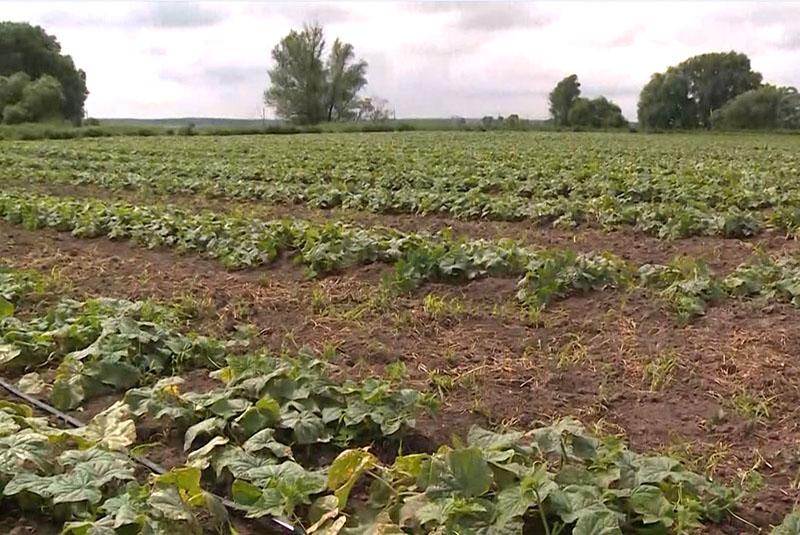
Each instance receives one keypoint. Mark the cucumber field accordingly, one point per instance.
(418, 332)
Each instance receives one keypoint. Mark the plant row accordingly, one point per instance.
(666, 187)
(239, 241)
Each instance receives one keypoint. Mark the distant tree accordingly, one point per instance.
(307, 90)
(12, 87)
(764, 108)
(24, 100)
(15, 114)
(664, 102)
(789, 109)
(29, 49)
(716, 78)
(373, 109)
(297, 89)
(596, 113)
(686, 95)
(346, 78)
(562, 97)
(43, 98)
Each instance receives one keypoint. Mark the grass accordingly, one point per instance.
(442, 308)
(754, 406)
(659, 372)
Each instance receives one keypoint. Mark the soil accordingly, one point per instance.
(587, 356)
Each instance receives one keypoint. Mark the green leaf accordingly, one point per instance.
(471, 473)
(597, 521)
(75, 486)
(571, 501)
(649, 501)
(245, 493)
(306, 426)
(346, 469)
(168, 502)
(265, 413)
(30, 482)
(264, 440)
(655, 469)
(6, 308)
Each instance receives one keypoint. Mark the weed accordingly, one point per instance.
(397, 371)
(658, 373)
(571, 353)
(440, 308)
(753, 406)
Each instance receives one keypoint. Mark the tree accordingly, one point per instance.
(29, 49)
(307, 90)
(716, 78)
(11, 88)
(43, 98)
(298, 78)
(767, 107)
(754, 109)
(789, 109)
(596, 113)
(373, 109)
(686, 95)
(347, 77)
(24, 100)
(664, 102)
(562, 97)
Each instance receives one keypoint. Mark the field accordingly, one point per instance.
(409, 332)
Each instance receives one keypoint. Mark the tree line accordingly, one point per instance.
(310, 83)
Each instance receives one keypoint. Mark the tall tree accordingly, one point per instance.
(29, 49)
(307, 90)
(664, 102)
(298, 81)
(346, 78)
(562, 97)
(686, 95)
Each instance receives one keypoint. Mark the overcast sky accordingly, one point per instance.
(429, 59)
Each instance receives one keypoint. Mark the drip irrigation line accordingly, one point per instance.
(276, 523)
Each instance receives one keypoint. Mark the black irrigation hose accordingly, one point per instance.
(281, 526)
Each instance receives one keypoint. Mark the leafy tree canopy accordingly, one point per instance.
(596, 113)
(306, 89)
(29, 49)
(26, 100)
(767, 107)
(687, 94)
(562, 97)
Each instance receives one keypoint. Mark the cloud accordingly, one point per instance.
(790, 40)
(176, 15)
(499, 16)
(494, 16)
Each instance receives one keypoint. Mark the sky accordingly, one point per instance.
(428, 59)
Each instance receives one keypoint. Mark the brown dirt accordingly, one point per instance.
(587, 356)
